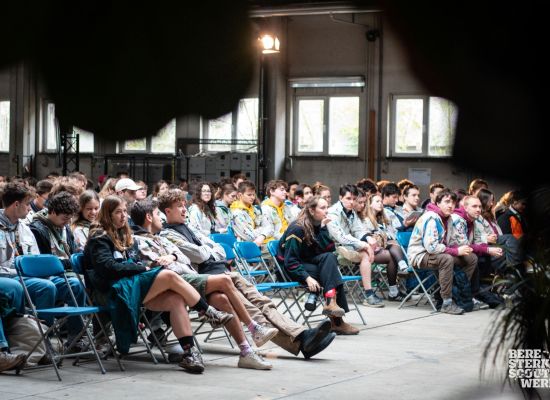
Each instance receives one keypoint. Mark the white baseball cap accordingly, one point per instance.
(126, 184)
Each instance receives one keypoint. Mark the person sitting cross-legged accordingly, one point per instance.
(209, 258)
(125, 285)
(217, 289)
(307, 252)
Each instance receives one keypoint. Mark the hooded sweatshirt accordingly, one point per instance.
(463, 231)
(247, 222)
(430, 236)
(15, 239)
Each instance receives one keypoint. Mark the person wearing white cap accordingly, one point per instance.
(126, 188)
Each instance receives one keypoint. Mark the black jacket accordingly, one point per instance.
(42, 235)
(293, 251)
(104, 264)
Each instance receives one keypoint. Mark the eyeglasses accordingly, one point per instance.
(206, 191)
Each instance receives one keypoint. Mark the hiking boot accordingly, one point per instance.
(350, 255)
(217, 318)
(192, 361)
(10, 361)
(451, 308)
(398, 297)
(253, 361)
(340, 327)
(373, 301)
(331, 309)
(263, 334)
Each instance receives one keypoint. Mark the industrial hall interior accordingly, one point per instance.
(315, 197)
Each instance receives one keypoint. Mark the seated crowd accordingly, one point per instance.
(156, 252)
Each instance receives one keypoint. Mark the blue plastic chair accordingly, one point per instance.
(250, 261)
(78, 268)
(44, 266)
(229, 253)
(404, 238)
(226, 238)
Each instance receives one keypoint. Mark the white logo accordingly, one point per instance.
(530, 366)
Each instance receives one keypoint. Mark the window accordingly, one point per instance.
(421, 126)
(86, 140)
(240, 124)
(163, 142)
(50, 132)
(326, 115)
(327, 125)
(4, 126)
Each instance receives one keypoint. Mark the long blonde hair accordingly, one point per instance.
(378, 218)
(122, 238)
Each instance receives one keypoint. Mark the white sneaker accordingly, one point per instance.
(263, 334)
(253, 361)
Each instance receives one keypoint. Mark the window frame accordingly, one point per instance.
(120, 145)
(392, 121)
(234, 127)
(338, 92)
(9, 138)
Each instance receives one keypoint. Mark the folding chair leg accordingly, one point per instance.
(111, 347)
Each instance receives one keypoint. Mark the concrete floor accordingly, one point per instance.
(400, 354)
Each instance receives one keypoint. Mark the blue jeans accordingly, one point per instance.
(46, 293)
(13, 291)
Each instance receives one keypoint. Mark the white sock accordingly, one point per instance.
(402, 265)
(393, 290)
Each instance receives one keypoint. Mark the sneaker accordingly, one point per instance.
(398, 297)
(403, 272)
(263, 334)
(10, 361)
(253, 361)
(350, 255)
(451, 308)
(373, 301)
(217, 318)
(81, 346)
(192, 361)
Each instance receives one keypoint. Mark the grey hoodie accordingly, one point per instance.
(10, 247)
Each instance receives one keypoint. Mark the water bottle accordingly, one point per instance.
(311, 302)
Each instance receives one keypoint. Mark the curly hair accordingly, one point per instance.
(206, 207)
(170, 197)
(63, 203)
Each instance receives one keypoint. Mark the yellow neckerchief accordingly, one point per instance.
(280, 213)
(239, 205)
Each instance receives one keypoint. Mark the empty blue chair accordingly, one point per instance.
(249, 258)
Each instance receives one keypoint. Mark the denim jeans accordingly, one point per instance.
(13, 292)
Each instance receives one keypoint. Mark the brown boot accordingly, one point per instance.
(332, 309)
(340, 327)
